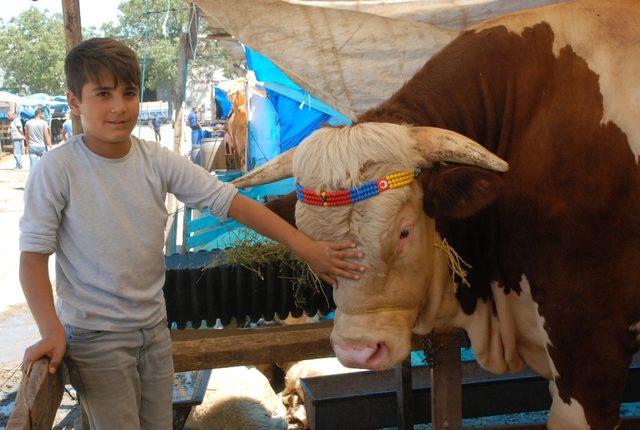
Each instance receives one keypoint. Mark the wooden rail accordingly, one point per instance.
(207, 349)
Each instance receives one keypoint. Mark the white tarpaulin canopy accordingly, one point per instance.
(14, 99)
(352, 55)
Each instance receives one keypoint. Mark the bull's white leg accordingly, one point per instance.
(565, 416)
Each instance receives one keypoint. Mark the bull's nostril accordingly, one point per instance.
(379, 358)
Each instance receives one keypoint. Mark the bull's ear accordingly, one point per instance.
(285, 207)
(456, 191)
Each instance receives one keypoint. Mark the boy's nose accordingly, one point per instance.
(117, 108)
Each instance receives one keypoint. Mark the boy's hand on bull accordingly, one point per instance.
(329, 260)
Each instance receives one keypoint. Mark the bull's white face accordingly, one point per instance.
(375, 315)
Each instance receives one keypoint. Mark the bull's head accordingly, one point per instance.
(407, 286)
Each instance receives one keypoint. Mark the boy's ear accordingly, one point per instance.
(456, 191)
(73, 102)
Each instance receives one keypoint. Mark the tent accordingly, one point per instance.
(223, 105)
(351, 55)
(281, 113)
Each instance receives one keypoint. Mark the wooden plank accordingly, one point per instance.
(404, 394)
(38, 398)
(446, 377)
(195, 349)
(208, 349)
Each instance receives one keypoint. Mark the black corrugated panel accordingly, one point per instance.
(199, 294)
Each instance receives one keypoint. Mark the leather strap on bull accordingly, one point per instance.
(356, 194)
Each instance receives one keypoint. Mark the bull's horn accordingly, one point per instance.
(274, 170)
(438, 144)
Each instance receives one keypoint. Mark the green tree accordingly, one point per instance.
(154, 27)
(34, 47)
(34, 51)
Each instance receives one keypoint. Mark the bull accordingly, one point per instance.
(552, 239)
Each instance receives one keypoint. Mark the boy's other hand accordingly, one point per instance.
(52, 345)
(327, 259)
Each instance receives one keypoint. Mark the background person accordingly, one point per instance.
(17, 137)
(156, 124)
(67, 129)
(196, 133)
(38, 137)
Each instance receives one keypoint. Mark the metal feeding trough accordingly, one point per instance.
(197, 293)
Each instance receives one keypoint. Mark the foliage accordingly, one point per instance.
(209, 56)
(149, 20)
(34, 46)
(34, 52)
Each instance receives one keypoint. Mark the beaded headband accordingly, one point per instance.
(356, 194)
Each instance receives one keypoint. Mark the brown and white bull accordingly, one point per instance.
(553, 244)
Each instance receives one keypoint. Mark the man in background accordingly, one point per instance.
(156, 124)
(193, 122)
(17, 137)
(38, 137)
(67, 129)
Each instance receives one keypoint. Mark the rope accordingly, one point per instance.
(192, 16)
(13, 372)
(166, 18)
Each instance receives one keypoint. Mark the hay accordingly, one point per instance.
(456, 264)
(253, 252)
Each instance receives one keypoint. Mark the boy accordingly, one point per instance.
(98, 202)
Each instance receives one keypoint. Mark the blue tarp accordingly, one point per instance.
(223, 102)
(287, 116)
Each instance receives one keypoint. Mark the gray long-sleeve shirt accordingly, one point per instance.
(105, 221)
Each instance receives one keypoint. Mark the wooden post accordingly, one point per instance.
(404, 394)
(446, 381)
(72, 36)
(38, 398)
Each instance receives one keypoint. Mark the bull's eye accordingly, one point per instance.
(404, 233)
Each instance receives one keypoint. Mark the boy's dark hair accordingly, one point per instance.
(92, 59)
(39, 111)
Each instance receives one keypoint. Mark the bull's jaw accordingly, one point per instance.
(440, 306)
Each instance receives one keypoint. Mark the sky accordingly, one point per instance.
(93, 12)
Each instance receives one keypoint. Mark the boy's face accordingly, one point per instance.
(108, 112)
